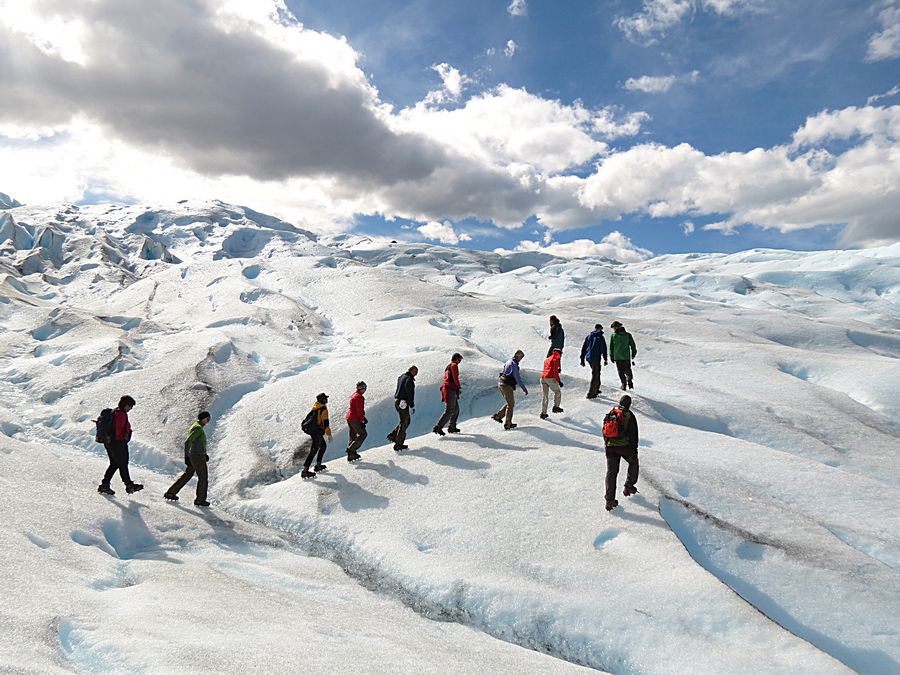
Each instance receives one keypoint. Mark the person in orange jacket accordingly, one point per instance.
(550, 381)
(451, 390)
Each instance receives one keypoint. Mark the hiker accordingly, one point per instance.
(620, 436)
(509, 379)
(451, 390)
(116, 444)
(557, 336)
(550, 381)
(316, 425)
(592, 350)
(356, 422)
(404, 403)
(622, 351)
(195, 459)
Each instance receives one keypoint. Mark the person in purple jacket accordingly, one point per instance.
(509, 380)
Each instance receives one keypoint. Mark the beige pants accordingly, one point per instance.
(507, 410)
(548, 384)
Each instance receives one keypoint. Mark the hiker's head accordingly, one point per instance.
(361, 386)
(322, 398)
(615, 324)
(126, 403)
(553, 320)
(413, 371)
(598, 326)
(456, 358)
(519, 355)
(204, 418)
(625, 401)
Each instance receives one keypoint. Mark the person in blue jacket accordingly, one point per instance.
(509, 380)
(592, 350)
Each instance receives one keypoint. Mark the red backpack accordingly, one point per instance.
(614, 423)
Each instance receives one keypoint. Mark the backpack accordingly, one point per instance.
(104, 426)
(309, 425)
(614, 423)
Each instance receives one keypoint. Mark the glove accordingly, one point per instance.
(633, 363)
(605, 362)
(582, 363)
(207, 457)
(365, 421)
(413, 410)
(561, 383)
(403, 405)
(525, 391)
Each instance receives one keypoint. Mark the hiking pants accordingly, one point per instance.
(195, 464)
(318, 446)
(509, 396)
(624, 368)
(398, 435)
(117, 451)
(451, 410)
(358, 434)
(613, 456)
(549, 384)
(594, 388)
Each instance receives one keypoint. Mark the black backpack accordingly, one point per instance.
(309, 425)
(104, 424)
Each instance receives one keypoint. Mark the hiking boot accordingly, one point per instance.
(630, 384)
(497, 418)
(198, 502)
(353, 456)
(320, 467)
(104, 489)
(589, 396)
(629, 490)
(611, 504)
(170, 497)
(306, 473)
(453, 430)
(557, 409)
(398, 448)
(134, 487)
(510, 426)
(439, 432)
(544, 416)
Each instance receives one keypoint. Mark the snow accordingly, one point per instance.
(765, 535)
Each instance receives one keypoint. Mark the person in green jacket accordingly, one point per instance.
(622, 351)
(195, 458)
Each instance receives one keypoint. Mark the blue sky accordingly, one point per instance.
(626, 127)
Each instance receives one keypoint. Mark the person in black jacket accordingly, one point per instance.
(625, 446)
(404, 403)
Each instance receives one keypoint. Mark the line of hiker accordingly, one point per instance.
(619, 430)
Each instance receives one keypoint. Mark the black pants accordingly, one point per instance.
(117, 451)
(451, 410)
(318, 446)
(594, 389)
(614, 456)
(358, 434)
(398, 435)
(625, 375)
(195, 464)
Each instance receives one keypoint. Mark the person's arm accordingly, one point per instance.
(584, 346)
(603, 351)
(518, 377)
(634, 431)
(455, 371)
(120, 426)
(633, 346)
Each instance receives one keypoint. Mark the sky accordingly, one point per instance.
(625, 128)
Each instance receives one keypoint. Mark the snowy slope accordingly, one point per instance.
(765, 386)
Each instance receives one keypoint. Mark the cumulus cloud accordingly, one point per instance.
(510, 49)
(453, 81)
(687, 227)
(615, 246)
(518, 8)
(649, 84)
(657, 16)
(443, 232)
(886, 43)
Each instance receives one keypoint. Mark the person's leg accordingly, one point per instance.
(622, 367)
(402, 427)
(628, 374)
(312, 452)
(612, 472)
(453, 397)
(447, 411)
(500, 414)
(510, 397)
(594, 389)
(113, 464)
(557, 393)
(122, 458)
(199, 464)
(545, 394)
(357, 435)
(322, 446)
(183, 479)
(633, 468)
(393, 435)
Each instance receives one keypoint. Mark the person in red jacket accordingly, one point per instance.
(550, 381)
(451, 390)
(356, 422)
(117, 450)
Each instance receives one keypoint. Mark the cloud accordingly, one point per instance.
(687, 227)
(442, 232)
(453, 81)
(657, 16)
(510, 49)
(518, 8)
(886, 43)
(890, 93)
(615, 246)
(649, 84)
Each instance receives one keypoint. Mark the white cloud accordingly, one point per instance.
(443, 232)
(649, 84)
(606, 125)
(510, 49)
(687, 227)
(518, 8)
(453, 81)
(886, 43)
(615, 246)
(657, 16)
(890, 93)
